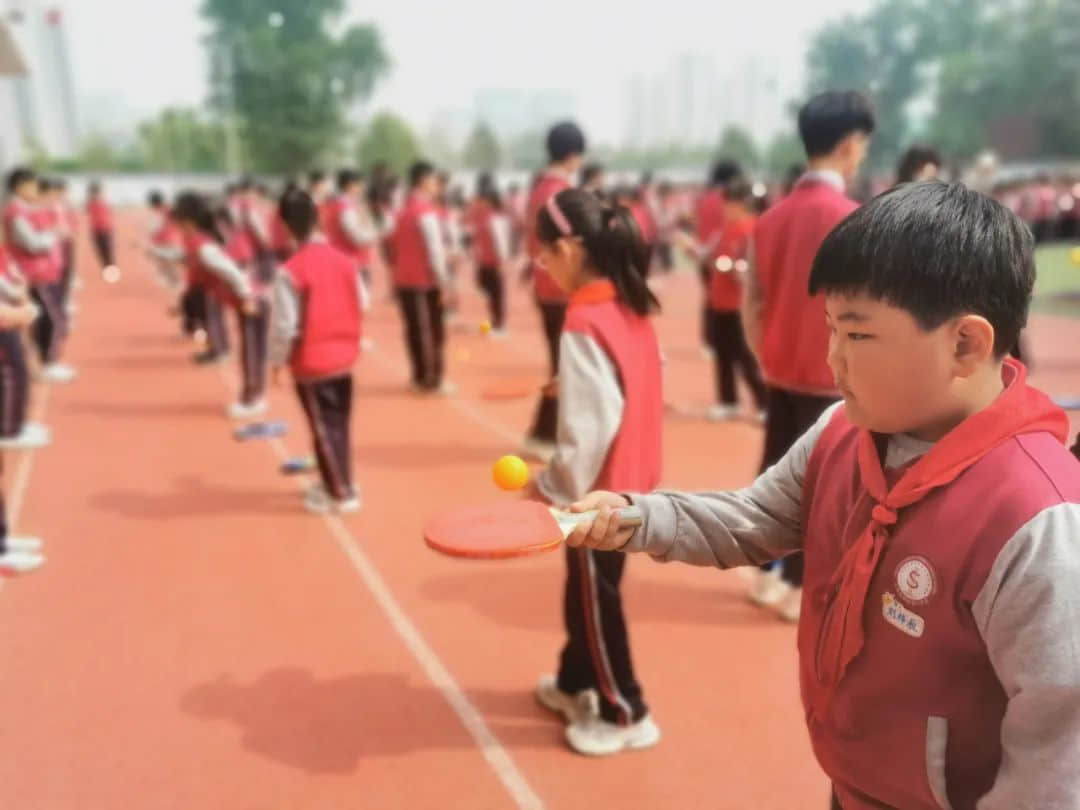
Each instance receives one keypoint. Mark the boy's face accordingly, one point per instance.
(895, 376)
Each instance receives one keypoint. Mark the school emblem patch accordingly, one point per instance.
(916, 580)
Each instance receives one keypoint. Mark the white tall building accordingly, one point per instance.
(45, 96)
(12, 71)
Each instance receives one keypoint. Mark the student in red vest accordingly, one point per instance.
(490, 228)
(319, 299)
(35, 249)
(51, 217)
(727, 258)
(709, 227)
(349, 226)
(422, 280)
(68, 218)
(251, 219)
(565, 148)
(229, 285)
(101, 225)
(594, 179)
(609, 435)
(784, 327)
(633, 200)
(164, 244)
(938, 510)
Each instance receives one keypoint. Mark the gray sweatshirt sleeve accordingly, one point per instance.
(218, 262)
(284, 319)
(359, 233)
(1027, 613)
(30, 238)
(432, 231)
(166, 253)
(590, 412)
(749, 526)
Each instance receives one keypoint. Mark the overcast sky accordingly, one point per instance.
(134, 56)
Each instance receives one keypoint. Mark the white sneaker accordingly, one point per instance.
(240, 411)
(538, 449)
(574, 708)
(498, 334)
(317, 500)
(14, 561)
(707, 352)
(38, 429)
(447, 388)
(721, 413)
(26, 439)
(790, 606)
(57, 373)
(71, 309)
(349, 505)
(761, 416)
(597, 737)
(769, 589)
(23, 543)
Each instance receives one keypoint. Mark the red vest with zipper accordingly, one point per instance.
(544, 285)
(335, 234)
(38, 268)
(412, 267)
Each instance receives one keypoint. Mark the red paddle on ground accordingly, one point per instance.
(508, 529)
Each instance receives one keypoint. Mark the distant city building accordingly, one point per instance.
(516, 112)
(12, 69)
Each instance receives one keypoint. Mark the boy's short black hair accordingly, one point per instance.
(739, 189)
(156, 199)
(591, 171)
(315, 176)
(419, 172)
(723, 171)
(914, 160)
(828, 118)
(938, 251)
(565, 139)
(18, 176)
(297, 210)
(348, 177)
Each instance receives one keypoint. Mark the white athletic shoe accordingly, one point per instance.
(23, 543)
(15, 561)
(27, 439)
(349, 505)
(574, 708)
(498, 334)
(769, 589)
(707, 352)
(317, 500)
(446, 388)
(538, 449)
(240, 411)
(790, 606)
(721, 413)
(761, 416)
(57, 373)
(597, 737)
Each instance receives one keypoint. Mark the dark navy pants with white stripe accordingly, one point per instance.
(597, 651)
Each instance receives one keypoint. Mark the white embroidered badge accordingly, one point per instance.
(900, 617)
(916, 581)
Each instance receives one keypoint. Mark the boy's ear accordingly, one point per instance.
(974, 343)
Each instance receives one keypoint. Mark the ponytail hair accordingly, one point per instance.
(614, 246)
(193, 208)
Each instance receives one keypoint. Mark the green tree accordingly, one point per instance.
(389, 139)
(284, 80)
(784, 150)
(482, 151)
(181, 140)
(738, 144)
(526, 151)
(437, 147)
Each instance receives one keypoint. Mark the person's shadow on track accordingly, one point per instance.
(328, 726)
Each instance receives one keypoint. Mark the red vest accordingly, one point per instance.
(870, 731)
(725, 286)
(100, 215)
(710, 214)
(200, 275)
(281, 240)
(794, 338)
(481, 213)
(38, 268)
(330, 317)
(645, 222)
(544, 285)
(412, 267)
(50, 218)
(633, 462)
(166, 234)
(361, 254)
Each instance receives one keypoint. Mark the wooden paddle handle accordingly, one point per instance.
(629, 516)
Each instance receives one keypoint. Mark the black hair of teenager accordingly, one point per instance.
(419, 172)
(223, 215)
(348, 177)
(723, 170)
(829, 117)
(297, 210)
(938, 251)
(155, 199)
(19, 175)
(739, 189)
(488, 189)
(94, 189)
(564, 140)
(590, 172)
(613, 244)
(914, 160)
(194, 209)
(45, 185)
(245, 183)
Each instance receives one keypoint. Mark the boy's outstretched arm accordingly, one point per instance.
(1028, 612)
(724, 529)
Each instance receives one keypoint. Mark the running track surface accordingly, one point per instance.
(198, 641)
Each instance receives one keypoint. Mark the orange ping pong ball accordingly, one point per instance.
(485, 327)
(510, 473)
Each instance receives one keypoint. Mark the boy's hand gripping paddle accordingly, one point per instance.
(508, 529)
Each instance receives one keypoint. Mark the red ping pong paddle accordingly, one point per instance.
(507, 529)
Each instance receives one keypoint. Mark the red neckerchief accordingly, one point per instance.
(1018, 409)
(595, 292)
